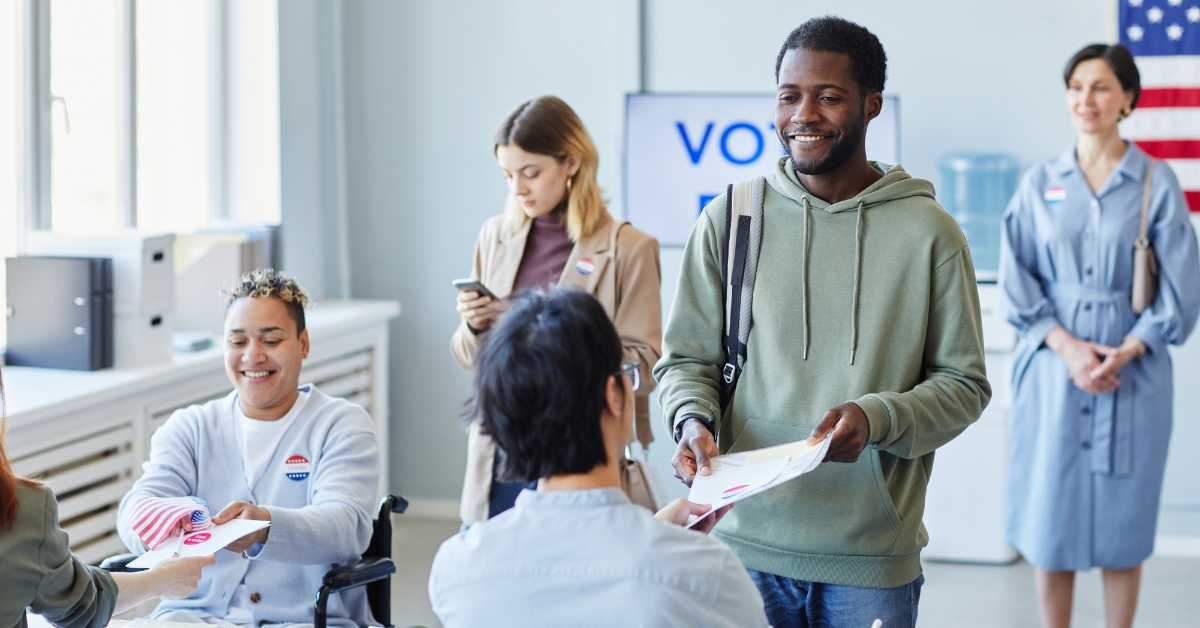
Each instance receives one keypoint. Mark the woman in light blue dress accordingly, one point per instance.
(1092, 390)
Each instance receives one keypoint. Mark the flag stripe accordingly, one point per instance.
(1169, 97)
(1176, 123)
(1170, 149)
(1193, 200)
(1187, 171)
(1169, 71)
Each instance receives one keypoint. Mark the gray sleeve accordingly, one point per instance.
(70, 593)
(343, 495)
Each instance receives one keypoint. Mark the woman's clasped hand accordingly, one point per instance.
(1093, 367)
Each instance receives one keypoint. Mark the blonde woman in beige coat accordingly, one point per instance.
(555, 230)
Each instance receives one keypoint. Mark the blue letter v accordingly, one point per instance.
(694, 153)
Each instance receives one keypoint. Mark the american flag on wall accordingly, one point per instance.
(1164, 37)
(154, 518)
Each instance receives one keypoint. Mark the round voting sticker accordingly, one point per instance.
(197, 539)
(585, 266)
(296, 468)
(732, 492)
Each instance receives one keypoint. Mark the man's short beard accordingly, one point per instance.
(843, 148)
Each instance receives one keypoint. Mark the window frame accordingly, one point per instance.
(35, 209)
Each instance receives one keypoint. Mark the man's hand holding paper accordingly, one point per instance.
(737, 476)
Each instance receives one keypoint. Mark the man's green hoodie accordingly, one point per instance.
(879, 293)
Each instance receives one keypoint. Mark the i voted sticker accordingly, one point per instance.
(197, 539)
(735, 491)
(1055, 194)
(296, 468)
(585, 266)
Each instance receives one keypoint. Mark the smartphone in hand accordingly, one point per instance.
(473, 285)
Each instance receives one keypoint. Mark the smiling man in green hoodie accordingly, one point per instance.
(866, 323)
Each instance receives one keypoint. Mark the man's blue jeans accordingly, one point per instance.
(798, 604)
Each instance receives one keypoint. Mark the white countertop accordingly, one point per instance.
(31, 392)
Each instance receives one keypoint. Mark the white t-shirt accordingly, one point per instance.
(257, 442)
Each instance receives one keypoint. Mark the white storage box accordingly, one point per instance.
(143, 288)
(206, 264)
(143, 338)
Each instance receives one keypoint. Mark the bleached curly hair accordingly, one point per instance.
(270, 283)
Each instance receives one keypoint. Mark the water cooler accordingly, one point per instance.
(964, 508)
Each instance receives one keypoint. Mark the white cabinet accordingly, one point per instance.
(964, 506)
(86, 434)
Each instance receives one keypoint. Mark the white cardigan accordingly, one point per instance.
(321, 505)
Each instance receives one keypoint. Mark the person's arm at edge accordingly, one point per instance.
(70, 593)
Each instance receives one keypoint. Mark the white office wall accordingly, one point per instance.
(310, 130)
(427, 82)
(426, 85)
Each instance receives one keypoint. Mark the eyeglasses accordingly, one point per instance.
(634, 370)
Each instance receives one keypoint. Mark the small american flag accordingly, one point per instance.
(154, 517)
(1164, 37)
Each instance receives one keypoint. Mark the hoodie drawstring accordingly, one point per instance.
(858, 229)
(804, 275)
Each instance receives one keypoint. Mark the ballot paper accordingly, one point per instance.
(737, 476)
(202, 543)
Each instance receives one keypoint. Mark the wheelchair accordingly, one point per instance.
(374, 570)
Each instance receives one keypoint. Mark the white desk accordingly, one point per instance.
(87, 433)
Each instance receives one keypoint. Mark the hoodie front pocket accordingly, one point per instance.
(881, 488)
(837, 509)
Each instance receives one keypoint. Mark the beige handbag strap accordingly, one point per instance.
(1142, 240)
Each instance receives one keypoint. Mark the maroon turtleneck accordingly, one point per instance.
(546, 251)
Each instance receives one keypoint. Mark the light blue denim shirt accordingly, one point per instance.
(589, 558)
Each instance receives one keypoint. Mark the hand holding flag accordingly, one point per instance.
(155, 519)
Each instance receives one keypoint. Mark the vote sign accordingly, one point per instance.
(682, 150)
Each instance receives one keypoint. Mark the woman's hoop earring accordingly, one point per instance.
(1126, 112)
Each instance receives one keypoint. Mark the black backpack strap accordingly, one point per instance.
(726, 389)
(732, 301)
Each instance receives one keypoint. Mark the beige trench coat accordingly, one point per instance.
(626, 280)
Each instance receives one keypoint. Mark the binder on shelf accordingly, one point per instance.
(60, 312)
(143, 273)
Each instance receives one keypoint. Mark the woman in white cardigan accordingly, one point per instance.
(271, 450)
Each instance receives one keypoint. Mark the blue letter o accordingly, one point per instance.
(725, 143)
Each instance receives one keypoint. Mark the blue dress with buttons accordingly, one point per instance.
(1085, 471)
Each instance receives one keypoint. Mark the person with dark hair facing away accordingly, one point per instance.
(42, 575)
(1092, 397)
(866, 324)
(552, 391)
(555, 231)
(271, 450)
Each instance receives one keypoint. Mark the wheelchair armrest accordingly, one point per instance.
(356, 574)
(118, 563)
(392, 504)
